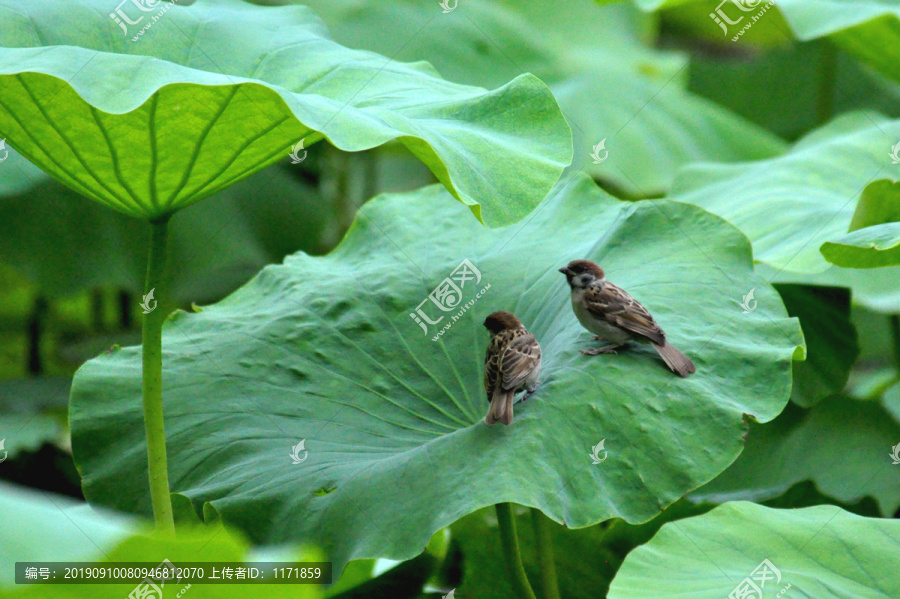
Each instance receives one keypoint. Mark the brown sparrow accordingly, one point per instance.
(614, 316)
(512, 363)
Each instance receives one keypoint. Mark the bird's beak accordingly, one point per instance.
(565, 270)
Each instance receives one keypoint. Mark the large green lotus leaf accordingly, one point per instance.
(325, 350)
(872, 247)
(44, 527)
(832, 348)
(214, 92)
(609, 84)
(842, 445)
(790, 205)
(821, 551)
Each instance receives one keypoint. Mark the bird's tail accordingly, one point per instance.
(677, 362)
(501, 409)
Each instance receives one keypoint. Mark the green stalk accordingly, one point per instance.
(827, 74)
(549, 584)
(152, 383)
(511, 551)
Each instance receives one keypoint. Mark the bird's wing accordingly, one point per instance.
(492, 365)
(614, 305)
(518, 360)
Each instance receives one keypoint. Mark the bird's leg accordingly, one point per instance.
(606, 349)
(529, 390)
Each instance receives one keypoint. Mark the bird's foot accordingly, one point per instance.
(528, 392)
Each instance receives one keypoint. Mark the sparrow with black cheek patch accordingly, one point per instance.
(512, 363)
(615, 317)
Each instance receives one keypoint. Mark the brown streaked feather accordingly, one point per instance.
(519, 359)
(677, 362)
(614, 305)
(511, 356)
(501, 409)
(491, 367)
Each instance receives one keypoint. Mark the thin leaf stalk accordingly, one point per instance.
(151, 336)
(826, 84)
(513, 556)
(546, 559)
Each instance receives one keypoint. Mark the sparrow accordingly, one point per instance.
(614, 316)
(512, 363)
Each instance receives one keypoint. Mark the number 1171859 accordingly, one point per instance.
(298, 573)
